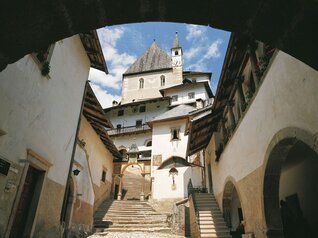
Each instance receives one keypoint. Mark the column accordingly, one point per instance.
(255, 68)
(142, 194)
(120, 187)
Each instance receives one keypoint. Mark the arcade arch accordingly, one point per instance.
(290, 184)
(232, 208)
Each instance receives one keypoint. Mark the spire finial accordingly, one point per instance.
(176, 41)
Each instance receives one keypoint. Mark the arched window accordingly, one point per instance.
(149, 143)
(176, 52)
(162, 80)
(141, 83)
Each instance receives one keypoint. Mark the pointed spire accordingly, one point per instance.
(176, 41)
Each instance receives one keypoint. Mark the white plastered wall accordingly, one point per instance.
(41, 113)
(287, 98)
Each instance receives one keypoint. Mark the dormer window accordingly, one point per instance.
(162, 80)
(141, 83)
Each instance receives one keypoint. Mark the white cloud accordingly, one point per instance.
(214, 50)
(192, 52)
(104, 98)
(195, 31)
(117, 62)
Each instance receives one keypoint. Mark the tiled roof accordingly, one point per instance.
(178, 111)
(153, 59)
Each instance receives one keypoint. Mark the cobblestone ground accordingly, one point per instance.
(135, 235)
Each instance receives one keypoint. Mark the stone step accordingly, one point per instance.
(152, 229)
(215, 236)
(213, 226)
(158, 225)
(107, 222)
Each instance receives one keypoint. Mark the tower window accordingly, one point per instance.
(120, 113)
(176, 53)
(175, 133)
(141, 83)
(162, 80)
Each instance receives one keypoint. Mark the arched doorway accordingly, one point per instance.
(290, 187)
(232, 210)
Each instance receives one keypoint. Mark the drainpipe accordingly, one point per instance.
(64, 207)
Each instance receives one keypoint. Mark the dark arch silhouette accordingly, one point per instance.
(280, 146)
(287, 25)
(174, 161)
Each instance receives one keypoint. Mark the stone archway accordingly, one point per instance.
(289, 28)
(292, 158)
(232, 206)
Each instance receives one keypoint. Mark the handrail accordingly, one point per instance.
(128, 129)
(194, 226)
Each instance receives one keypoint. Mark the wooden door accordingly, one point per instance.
(21, 215)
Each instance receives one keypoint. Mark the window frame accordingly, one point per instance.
(191, 95)
(137, 123)
(104, 175)
(174, 98)
(174, 130)
(141, 83)
(162, 81)
(120, 114)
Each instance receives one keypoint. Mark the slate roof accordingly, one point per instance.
(176, 112)
(153, 59)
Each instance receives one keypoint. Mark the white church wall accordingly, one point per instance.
(128, 140)
(287, 98)
(162, 143)
(183, 93)
(152, 84)
(129, 118)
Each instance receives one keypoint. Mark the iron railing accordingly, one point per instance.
(128, 129)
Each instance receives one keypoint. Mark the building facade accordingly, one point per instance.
(151, 124)
(261, 160)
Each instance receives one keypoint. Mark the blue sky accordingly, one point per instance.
(203, 48)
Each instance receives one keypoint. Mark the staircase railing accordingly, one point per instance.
(194, 226)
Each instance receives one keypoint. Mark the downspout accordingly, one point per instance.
(64, 207)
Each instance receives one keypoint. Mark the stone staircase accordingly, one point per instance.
(209, 217)
(129, 216)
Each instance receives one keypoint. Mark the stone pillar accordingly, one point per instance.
(142, 194)
(255, 68)
(120, 187)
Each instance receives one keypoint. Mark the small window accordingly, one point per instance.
(191, 95)
(162, 80)
(176, 53)
(149, 143)
(174, 98)
(141, 83)
(142, 108)
(120, 113)
(123, 153)
(138, 123)
(104, 175)
(175, 133)
(118, 126)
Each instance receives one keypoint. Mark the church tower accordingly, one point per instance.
(176, 55)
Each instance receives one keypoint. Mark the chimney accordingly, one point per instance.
(115, 103)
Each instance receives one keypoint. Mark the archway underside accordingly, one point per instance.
(287, 25)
